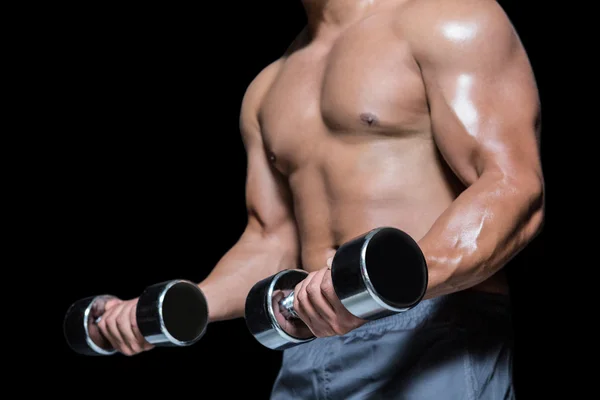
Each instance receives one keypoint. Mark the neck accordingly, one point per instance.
(334, 13)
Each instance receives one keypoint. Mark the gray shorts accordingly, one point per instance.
(453, 347)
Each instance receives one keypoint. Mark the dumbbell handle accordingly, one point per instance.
(286, 306)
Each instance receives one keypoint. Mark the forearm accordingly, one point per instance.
(252, 258)
(487, 225)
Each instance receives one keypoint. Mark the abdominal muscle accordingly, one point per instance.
(350, 189)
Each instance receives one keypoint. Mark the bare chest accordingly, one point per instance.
(364, 83)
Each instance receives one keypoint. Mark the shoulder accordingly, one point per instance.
(454, 29)
(253, 95)
(259, 86)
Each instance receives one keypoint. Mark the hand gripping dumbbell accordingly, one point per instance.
(171, 313)
(377, 274)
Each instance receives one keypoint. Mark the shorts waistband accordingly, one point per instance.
(442, 309)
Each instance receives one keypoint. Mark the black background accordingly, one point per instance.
(143, 180)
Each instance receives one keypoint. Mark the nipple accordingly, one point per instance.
(368, 119)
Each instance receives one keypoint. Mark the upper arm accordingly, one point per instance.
(481, 90)
(267, 197)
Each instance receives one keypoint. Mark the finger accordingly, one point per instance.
(101, 305)
(103, 325)
(328, 292)
(318, 300)
(306, 310)
(126, 331)
(95, 334)
(111, 303)
(97, 309)
(113, 327)
(140, 339)
(303, 282)
(300, 297)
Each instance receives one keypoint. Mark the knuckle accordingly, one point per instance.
(111, 326)
(300, 296)
(121, 320)
(112, 303)
(104, 326)
(338, 329)
(109, 319)
(135, 348)
(298, 292)
(312, 289)
(135, 341)
(320, 333)
(104, 332)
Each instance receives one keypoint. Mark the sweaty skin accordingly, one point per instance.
(418, 114)
(423, 115)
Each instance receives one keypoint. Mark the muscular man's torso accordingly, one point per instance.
(345, 119)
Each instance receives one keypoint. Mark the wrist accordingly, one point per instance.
(217, 304)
